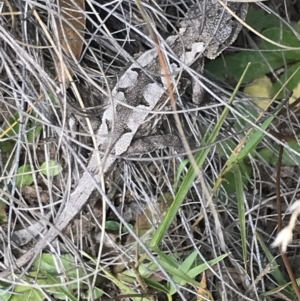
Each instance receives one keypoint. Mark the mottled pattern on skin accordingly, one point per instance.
(138, 89)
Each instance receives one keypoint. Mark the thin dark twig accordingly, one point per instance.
(279, 222)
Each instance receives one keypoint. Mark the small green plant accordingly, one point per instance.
(151, 280)
(25, 173)
(58, 277)
(33, 129)
(270, 58)
(51, 168)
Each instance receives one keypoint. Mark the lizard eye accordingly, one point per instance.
(108, 125)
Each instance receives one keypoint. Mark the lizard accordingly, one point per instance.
(140, 91)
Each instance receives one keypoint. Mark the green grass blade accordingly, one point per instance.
(156, 285)
(179, 172)
(254, 139)
(254, 136)
(241, 209)
(150, 282)
(61, 289)
(185, 267)
(204, 266)
(198, 270)
(174, 270)
(191, 174)
(188, 262)
(276, 273)
(122, 286)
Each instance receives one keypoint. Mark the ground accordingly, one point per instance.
(208, 229)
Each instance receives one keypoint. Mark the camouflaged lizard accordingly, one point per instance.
(140, 91)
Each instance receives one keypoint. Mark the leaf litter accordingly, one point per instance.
(114, 34)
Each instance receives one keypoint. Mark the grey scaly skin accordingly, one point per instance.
(143, 94)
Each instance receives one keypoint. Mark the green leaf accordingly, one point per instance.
(24, 175)
(49, 265)
(52, 264)
(241, 209)
(232, 66)
(156, 285)
(248, 113)
(52, 98)
(122, 286)
(125, 230)
(284, 37)
(204, 266)
(252, 140)
(115, 226)
(188, 262)
(288, 158)
(4, 294)
(180, 171)
(188, 180)
(185, 267)
(112, 225)
(45, 263)
(247, 146)
(150, 283)
(51, 168)
(34, 133)
(40, 279)
(64, 292)
(147, 269)
(27, 293)
(229, 181)
(97, 292)
(275, 272)
(259, 19)
(192, 273)
(176, 272)
(7, 146)
(225, 148)
(280, 288)
(169, 259)
(293, 82)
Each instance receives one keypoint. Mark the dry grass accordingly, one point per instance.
(44, 85)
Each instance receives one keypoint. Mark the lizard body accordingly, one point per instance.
(140, 91)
